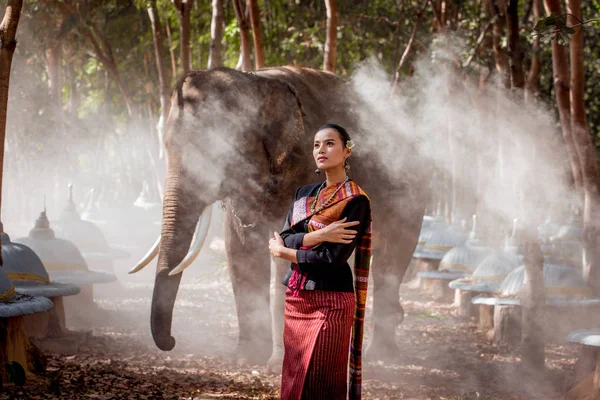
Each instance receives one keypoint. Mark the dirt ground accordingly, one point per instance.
(440, 356)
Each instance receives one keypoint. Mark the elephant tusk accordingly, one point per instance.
(147, 258)
(197, 243)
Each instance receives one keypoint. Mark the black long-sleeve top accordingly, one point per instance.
(326, 265)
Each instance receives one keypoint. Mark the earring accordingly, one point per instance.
(318, 172)
(347, 165)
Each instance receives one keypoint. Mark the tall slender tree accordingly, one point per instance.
(330, 56)
(171, 51)
(533, 76)
(184, 10)
(159, 52)
(515, 51)
(497, 13)
(259, 52)
(560, 70)
(216, 34)
(241, 15)
(163, 75)
(409, 45)
(8, 43)
(586, 151)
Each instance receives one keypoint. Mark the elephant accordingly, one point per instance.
(246, 139)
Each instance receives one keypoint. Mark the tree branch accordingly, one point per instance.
(479, 41)
(409, 45)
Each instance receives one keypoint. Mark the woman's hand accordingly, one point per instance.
(276, 245)
(339, 232)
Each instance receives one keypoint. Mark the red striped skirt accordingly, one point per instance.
(316, 340)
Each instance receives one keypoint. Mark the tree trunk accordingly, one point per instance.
(404, 57)
(587, 154)
(560, 70)
(171, 52)
(259, 52)
(496, 13)
(533, 301)
(8, 31)
(184, 9)
(216, 34)
(331, 42)
(533, 76)
(515, 52)
(159, 52)
(74, 98)
(507, 326)
(53, 67)
(240, 13)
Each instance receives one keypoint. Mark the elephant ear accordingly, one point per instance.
(282, 117)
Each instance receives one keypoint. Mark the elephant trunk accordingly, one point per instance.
(181, 210)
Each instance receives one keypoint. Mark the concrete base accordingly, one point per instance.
(486, 316)
(438, 289)
(462, 302)
(507, 326)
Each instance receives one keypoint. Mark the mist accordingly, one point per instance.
(505, 156)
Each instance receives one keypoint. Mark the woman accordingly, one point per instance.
(326, 223)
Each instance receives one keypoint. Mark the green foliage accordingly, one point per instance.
(554, 27)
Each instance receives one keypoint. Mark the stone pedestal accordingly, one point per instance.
(507, 326)
(486, 316)
(462, 301)
(15, 345)
(427, 264)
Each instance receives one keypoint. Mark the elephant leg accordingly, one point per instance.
(387, 310)
(390, 262)
(275, 362)
(249, 269)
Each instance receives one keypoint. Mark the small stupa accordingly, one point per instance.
(29, 276)
(134, 226)
(65, 263)
(459, 258)
(443, 240)
(428, 227)
(87, 236)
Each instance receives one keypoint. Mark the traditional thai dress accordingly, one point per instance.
(324, 302)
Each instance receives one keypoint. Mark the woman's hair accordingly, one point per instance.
(344, 135)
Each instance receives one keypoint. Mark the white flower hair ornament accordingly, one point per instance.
(349, 144)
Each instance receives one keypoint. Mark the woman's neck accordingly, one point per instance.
(335, 176)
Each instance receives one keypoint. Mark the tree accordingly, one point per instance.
(533, 75)
(259, 52)
(159, 52)
(533, 301)
(184, 9)
(586, 152)
(409, 45)
(242, 19)
(216, 35)
(330, 56)
(8, 43)
(515, 52)
(560, 68)
(573, 121)
(498, 16)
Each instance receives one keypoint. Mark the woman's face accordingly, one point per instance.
(328, 150)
